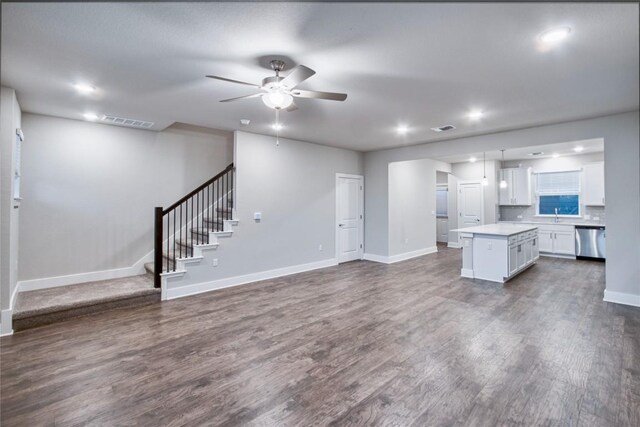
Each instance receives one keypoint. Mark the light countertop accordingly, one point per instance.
(501, 229)
(573, 223)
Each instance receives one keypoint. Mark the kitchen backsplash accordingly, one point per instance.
(528, 213)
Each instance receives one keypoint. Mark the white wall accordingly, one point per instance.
(293, 186)
(90, 189)
(377, 198)
(412, 205)
(622, 185)
(10, 120)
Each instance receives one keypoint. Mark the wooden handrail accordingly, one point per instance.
(199, 188)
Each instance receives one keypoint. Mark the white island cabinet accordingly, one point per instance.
(497, 252)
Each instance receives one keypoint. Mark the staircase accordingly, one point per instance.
(182, 232)
(200, 237)
(191, 225)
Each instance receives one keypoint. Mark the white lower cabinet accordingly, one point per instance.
(523, 251)
(564, 242)
(554, 239)
(545, 238)
(557, 239)
(513, 259)
(535, 247)
(442, 228)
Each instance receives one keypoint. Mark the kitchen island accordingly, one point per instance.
(498, 252)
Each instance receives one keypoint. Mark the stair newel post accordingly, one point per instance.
(157, 247)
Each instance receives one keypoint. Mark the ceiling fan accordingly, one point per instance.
(277, 92)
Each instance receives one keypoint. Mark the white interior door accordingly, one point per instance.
(470, 204)
(349, 217)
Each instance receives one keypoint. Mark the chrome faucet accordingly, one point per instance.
(556, 220)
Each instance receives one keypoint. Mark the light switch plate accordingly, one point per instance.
(257, 216)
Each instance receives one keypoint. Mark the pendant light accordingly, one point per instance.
(503, 183)
(485, 181)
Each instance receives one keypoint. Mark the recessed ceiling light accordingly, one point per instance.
(277, 126)
(90, 116)
(402, 129)
(245, 122)
(555, 155)
(472, 159)
(578, 149)
(475, 115)
(555, 34)
(84, 88)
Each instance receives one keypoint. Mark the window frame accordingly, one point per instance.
(566, 193)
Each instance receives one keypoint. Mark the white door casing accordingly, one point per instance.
(470, 204)
(349, 217)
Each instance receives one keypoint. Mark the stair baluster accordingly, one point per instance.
(213, 198)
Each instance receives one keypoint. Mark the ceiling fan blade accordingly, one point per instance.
(292, 107)
(297, 76)
(319, 95)
(233, 81)
(255, 95)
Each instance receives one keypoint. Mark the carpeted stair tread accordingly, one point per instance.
(46, 306)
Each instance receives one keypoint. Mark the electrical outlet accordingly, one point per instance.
(215, 262)
(596, 218)
(587, 217)
(490, 246)
(406, 241)
(519, 217)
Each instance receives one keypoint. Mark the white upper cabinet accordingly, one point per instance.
(518, 191)
(593, 192)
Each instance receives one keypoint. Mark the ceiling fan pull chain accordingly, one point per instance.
(277, 128)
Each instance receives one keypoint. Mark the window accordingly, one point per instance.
(558, 192)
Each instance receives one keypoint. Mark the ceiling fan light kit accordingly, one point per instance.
(278, 92)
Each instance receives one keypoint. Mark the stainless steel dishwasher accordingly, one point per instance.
(590, 242)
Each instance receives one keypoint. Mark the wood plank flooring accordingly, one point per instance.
(359, 344)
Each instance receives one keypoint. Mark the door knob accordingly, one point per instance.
(341, 225)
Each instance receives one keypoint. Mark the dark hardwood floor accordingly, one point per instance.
(359, 344)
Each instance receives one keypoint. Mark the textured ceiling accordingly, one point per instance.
(423, 65)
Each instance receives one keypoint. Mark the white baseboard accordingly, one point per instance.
(622, 298)
(453, 245)
(92, 276)
(400, 257)
(467, 272)
(550, 255)
(183, 291)
(6, 316)
(376, 258)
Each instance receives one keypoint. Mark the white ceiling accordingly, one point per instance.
(563, 149)
(423, 65)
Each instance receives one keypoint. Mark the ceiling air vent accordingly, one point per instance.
(132, 123)
(537, 153)
(443, 128)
